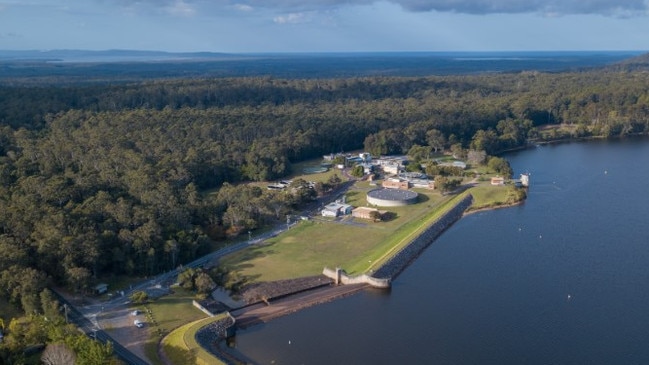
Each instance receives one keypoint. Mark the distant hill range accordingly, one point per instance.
(66, 55)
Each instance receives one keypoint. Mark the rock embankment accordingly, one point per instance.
(262, 312)
(393, 267)
(266, 291)
(213, 334)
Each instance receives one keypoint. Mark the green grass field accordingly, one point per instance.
(167, 313)
(181, 348)
(352, 243)
(486, 196)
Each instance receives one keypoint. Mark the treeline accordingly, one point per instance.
(46, 334)
(111, 179)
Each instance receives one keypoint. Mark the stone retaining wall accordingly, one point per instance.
(382, 277)
(395, 265)
(210, 336)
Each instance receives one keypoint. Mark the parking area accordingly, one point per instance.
(119, 322)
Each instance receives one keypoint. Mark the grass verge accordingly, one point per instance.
(181, 348)
(166, 313)
(409, 231)
(487, 196)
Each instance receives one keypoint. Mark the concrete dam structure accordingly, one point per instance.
(384, 275)
(210, 336)
(397, 263)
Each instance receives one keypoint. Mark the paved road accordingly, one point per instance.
(89, 328)
(86, 316)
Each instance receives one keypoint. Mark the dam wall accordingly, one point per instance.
(397, 263)
(340, 277)
(382, 277)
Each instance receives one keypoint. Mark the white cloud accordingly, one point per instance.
(243, 7)
(293, 18)
(180, 8)
(563, 7)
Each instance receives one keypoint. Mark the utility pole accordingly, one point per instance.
(249, 236)
(288, 221)
(65, 309)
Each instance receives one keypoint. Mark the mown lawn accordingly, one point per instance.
(488, 196)
(307, 248)
(181, 348)
(165, 314)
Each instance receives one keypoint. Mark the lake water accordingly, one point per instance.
(561, 279)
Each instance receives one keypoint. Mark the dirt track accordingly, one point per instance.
(260, 313)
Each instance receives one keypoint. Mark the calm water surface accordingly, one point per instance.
(562, 279)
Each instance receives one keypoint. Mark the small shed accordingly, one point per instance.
(101, 288)
(497, 180)
(336, 209)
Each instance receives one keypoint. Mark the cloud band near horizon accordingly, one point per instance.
(616, 8)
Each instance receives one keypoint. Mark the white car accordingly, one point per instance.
(138, 323)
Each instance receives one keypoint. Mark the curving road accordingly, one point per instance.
(89, 328)
(86, 316)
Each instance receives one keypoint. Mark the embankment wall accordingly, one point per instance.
(383, 276)
(340, 277)
(397, 263)
(210, 336)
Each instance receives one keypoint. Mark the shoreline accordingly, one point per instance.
(486, 209)
(535, 143)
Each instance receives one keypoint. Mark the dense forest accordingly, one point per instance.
(111, 179)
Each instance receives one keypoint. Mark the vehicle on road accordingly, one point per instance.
(138, 323)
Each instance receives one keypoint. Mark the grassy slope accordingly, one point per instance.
(168, 313)
(306, 249)
(405, 234)
(487, 196)
(181, 347)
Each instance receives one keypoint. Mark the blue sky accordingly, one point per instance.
(324, 25)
